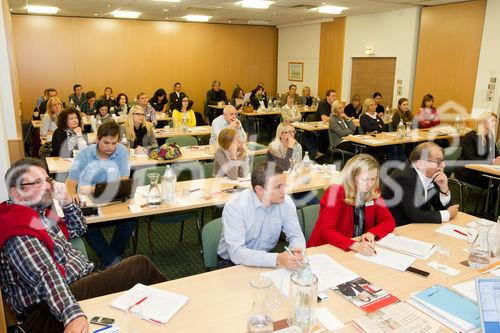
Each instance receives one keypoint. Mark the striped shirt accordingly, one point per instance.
(28, 274)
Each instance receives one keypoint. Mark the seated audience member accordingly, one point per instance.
(142, 101)
(42, 275)
(184, 113)
(227, 119)
(353, 109)
(292, 91)
(139, 133)
(257, 98)
(51, 92)
(214, 96)
(159, 100)
(419, 192)
(102, 112)
(121, 105)
(352, 214)
(77, 97)
(104, 161)
(369, 120)
(68, 136)
(325, 107)
(377, 97)
(478, 146)
(403, 113)
(237, 98)
(306, 98)
(108, 98)
(254, 219)
(289, 112)
(427, 114)
(89, 105)
(176, 97)
(264, 93)
(231, 158)
(284, 149)
(49, 120)
(40, 100)
(340, 124)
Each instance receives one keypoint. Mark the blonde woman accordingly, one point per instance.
(230, 158)
(185, 112)
(369, 120)
(139, 133)
(353, 214)
(306, 97)
(289, 112)
(49, 120)
(340, 124)
(478, 146)
(284, 148)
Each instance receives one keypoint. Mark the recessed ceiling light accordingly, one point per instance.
(125, 14)
(197, 18)
(176, 1)
(42, 9)
(329, 9)
(258, 22)
(165, 10)
(259, 4)
(108, 5)
(96, 14)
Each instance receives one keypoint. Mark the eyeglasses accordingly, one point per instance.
(438, 162)
(139, 114)
(39, 182)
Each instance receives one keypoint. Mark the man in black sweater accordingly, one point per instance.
(214, 96)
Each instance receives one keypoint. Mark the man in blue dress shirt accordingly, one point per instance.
(253, 221)
(105, 161)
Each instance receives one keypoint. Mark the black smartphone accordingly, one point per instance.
(90, 211)
(102, 321)
(417, 271)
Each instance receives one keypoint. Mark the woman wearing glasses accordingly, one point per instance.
(284, 149)
(49, 120)
(139, 133)
(68, 136)
(185, 113)
(353, 214)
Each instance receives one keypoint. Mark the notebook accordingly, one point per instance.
(488, 293)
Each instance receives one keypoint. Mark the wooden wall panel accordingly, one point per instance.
(448, 53)
(133, 56)
(331, 56)
(373, 74)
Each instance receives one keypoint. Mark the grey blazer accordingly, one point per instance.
(337, 129)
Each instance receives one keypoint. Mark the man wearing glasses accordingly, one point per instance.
(42, 275)
(419, 192)
(105, 161)
(254, 219)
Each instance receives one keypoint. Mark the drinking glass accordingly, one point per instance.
(134, 319)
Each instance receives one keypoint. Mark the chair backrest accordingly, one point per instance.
(183, 140)
(141, 175)
(300, 216)
(189, 170)
(311, 117)
(451, 154)
(79, 245)
(256, 159)
(208, 169)
(200, 121)
(210, 237)
(311, 214)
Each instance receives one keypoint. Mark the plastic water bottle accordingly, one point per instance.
(184, 125)
(168, 182)
(125, 142)
(401, 129)
(306, 160)
(303, 295)
(458, 125)
(93, 124)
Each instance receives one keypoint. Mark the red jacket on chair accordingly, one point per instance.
(335, 223)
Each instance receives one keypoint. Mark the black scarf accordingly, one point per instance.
(139, 135)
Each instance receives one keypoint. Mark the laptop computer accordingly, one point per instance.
(488, 297)
(113, 191)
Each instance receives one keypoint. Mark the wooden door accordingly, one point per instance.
(373, 74)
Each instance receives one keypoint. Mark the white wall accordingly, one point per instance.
(299, 44)
(489, 59)
(392, 34)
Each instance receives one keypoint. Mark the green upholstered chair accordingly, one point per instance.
(210, 237)
(311, 214)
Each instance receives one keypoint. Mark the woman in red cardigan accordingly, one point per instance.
(353, 215)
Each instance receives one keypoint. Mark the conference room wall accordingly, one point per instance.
(392, 34)
(448, 55)
(134, 56)
(489, 64)
(299, 44)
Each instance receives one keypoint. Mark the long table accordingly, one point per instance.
(221, 300)
(165, 133)
(492, 172)
(200, 193)
(191, 153)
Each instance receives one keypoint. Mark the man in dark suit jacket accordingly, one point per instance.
(176, 97)
(214, 96)
(419, 192)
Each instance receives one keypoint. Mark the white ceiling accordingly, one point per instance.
(282, 12)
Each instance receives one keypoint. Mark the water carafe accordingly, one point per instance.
(303, 297)
(480, 250)
(154, 194)
(260, 320)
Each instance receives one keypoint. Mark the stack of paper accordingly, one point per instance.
(452, 230)
(157, 306)
(413, 247)
(388, 258)
(328, 271)
(451, 309)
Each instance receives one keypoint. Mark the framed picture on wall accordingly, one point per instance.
(296, 71)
